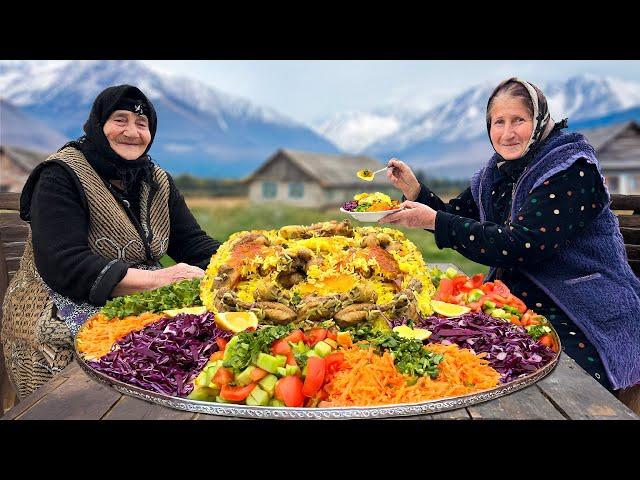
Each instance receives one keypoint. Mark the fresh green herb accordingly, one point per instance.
(537, 331)
(296, 298)
(245, 351)
(176, 295)
(409, 355)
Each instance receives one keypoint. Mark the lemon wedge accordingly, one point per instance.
(190, 310)
(448, 309)
(408, 332)
(236, 321)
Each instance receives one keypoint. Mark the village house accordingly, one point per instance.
(309, 179)
(16, 165)
(618, 152)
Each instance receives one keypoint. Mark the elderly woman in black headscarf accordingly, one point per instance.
(102, 215)
(538, 214)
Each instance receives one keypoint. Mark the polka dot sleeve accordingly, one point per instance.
(551, 216)
(463, 204)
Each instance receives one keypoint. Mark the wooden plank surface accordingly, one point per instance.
(631, 235)
(625, 202)
(459, 414)
(9, 201)
(35, 397)
(78, 398)
(629, 221)
(130, 408)
(14, 233)
(580, 397)
(526, 404)
(633, 251)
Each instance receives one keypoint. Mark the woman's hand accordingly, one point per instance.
(403, 178)
(414, 215)
(137, 280)
(175, 273)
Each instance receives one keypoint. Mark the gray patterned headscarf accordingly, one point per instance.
(542, 121)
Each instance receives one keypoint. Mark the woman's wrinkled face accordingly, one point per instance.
(128, 133)
(511, 126)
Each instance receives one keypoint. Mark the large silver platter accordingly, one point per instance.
(337, 413)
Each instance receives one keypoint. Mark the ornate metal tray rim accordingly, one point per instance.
(325, 413)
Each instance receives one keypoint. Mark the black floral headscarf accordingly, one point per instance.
(95, 145)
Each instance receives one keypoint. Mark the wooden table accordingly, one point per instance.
(566, 393)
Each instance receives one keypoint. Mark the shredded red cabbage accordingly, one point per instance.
(165, 356)
(350, 206)
(510, 349)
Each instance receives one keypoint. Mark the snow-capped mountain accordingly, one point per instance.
(20, 130)
(451, 139)
(353, 131)
(200, 129)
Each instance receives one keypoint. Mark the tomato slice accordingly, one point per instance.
(332, 335)
(500, 288)
(315, 335)
(446, 288)
(289, 391)
(219, 355)
(291, 359)
(223, 376)
(236, 394)
(458, 283)
(315, 376)
(477, 280)
(487, 287)
(333, 361)
(281, 347)
(295, 336)
(519, 304)
(257, 374)
(546, 340)
(222, 343)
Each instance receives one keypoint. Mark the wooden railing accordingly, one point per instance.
(628, 209)
(13, 236)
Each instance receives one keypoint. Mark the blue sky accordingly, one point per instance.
(310, 90)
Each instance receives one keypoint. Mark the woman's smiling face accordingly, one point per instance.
(511, 126)
(128, 133)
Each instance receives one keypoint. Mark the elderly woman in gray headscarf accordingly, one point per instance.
(538, 214)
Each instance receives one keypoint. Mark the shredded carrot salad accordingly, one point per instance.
(98, 335)
(370, 379)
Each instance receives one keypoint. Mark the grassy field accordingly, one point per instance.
(220, 217)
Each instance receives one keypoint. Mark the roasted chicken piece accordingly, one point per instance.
(273, 312)
(271, 292)
(356, 313)
(294, 265)
(316, 308)
(258, 238)
(332, 228)
(227, 276)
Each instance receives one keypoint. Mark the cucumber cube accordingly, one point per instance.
(268, 384)
(322, 349)
(270, 363)
(257, 397)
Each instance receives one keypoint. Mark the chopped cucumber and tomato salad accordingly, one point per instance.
(492, 298)
(277, 366)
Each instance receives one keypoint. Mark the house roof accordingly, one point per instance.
(600, 137)
(328, 169)
(27, 159)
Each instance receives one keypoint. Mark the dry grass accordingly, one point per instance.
(216, 202)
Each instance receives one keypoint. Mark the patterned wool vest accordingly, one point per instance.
(28, 305)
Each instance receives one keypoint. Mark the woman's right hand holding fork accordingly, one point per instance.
(403, 178)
